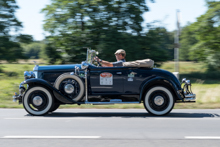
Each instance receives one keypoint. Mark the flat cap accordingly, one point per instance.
(120, 51)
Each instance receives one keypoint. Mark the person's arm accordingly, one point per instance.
(103, 62)
(106, 63)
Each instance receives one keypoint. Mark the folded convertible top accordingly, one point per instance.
(140, 63)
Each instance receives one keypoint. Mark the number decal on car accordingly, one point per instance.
(106, 78)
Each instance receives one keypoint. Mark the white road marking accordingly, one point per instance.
(204, 118)
(52, 137)
(47, 118)
(202, 137)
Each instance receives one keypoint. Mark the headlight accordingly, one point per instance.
(27, 75)
(32, 74)
(188, 82)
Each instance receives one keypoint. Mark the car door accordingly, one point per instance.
(107, 80)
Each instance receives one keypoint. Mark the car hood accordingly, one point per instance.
(56, 67)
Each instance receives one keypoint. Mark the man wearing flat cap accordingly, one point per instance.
(120, 57)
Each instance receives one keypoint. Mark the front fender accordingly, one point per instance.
(156, 80)
(59, 96)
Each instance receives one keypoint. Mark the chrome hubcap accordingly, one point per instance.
(37, 100)
(69, 88)
(159, 100)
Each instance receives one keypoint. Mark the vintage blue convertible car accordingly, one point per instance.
(48, 87)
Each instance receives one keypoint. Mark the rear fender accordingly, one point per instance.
(157, 81)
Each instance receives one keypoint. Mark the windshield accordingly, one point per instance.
(90, 55)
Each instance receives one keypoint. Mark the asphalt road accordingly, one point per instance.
(110, 127)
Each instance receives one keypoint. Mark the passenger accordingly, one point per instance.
(120, 57)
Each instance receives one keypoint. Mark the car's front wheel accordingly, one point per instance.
(54, 107)
(159, 100)
(38, 101)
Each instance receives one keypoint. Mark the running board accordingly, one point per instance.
(110, 103)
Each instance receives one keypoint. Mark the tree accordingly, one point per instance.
(34, 50)
(207, 32)
(156, 44)
(9, 50)
(52, 53)
(159, 44)
(8, 20)
(73, 24)
(187, 40)
(24, 38)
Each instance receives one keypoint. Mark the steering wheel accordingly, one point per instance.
(99, 64)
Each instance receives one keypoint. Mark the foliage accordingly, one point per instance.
(8, 20)
(187, 40)
(52, 53)
(106, 26)
(34, 50)
(203, 37)
(9, 50)
(24, 38)
(156, 44)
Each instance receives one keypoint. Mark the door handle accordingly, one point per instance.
(118, 73)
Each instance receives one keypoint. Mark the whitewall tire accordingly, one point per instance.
(159, 100)
(38, 101)
(78, 89)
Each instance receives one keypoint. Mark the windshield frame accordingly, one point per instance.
(90, 55)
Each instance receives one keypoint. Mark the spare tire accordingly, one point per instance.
(71, 86)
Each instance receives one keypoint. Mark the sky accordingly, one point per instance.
(162, 10)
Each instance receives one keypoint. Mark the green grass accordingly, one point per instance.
(206, 86)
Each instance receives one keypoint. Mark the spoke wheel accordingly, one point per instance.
(38, 101)
(159, 100)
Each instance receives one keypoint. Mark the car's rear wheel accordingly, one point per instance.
(38, 101)
(158, 100)
(70, 86)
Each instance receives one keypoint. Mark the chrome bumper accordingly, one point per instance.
(17, 97)
(20, 95)
(188, 94)
(190, 97)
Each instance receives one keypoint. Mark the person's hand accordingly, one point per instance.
(96, 58)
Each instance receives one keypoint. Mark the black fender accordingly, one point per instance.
(155, 80)
(59, 96)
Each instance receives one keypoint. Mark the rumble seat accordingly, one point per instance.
(148, 63)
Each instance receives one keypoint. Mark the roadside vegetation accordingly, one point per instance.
(205, 85)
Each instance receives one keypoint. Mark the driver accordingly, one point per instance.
(120, 57)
